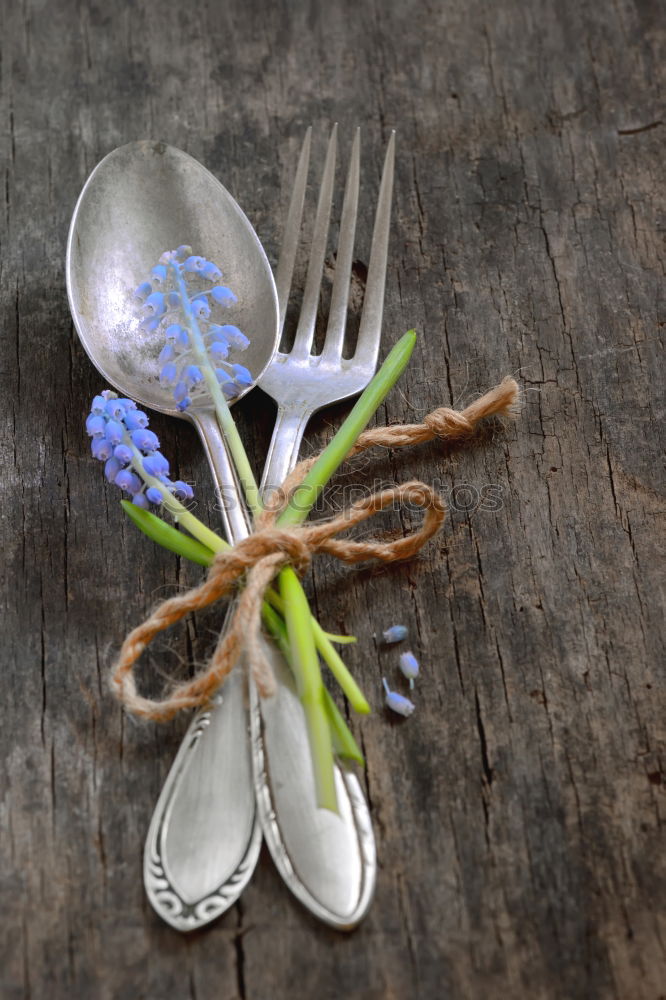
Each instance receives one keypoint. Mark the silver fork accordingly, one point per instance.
(328, 861)
(300, 382)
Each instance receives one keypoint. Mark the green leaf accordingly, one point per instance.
(167, 536)
(342, 640)
(344, 744)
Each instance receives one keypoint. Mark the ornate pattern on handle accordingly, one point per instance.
(166, 861)
(173, 908)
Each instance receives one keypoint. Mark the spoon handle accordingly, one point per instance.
(204, 837)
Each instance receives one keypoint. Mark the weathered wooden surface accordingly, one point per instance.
(520, 813)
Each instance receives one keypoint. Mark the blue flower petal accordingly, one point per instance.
(223, 295)
(192, 375)
(114, 431)
(145, 440)
(101, 449)
(135, 420)
(397, 702)
(194, 264)
(230, 390)
(123, 454)
(200, 306)
(96, 425)
(156, 464)
(155, 304)
(409, 665)
(150, 323)
(182, 491)
(180, 392)
(219, 351)
(237, 339)
(111, 469)
(128, 480)
(99, 405)
(168, 375)
(396, 633)
(211, 271)
(241, 375)
(115, 408)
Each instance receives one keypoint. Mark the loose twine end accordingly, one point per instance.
(260, 557)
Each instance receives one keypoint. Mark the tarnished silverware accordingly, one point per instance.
(203, 840)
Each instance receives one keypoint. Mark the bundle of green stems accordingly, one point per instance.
(286, 612)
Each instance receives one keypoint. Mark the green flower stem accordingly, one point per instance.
(336, 665)
(344, 744)
(342, 640)
(167, 536)
(310, 687)
(298, 617)
(324, 643)
(277, 628)
(177, 510)
(223, 413)
(334, 454)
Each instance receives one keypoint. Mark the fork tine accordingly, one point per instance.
(337, 317)
(292, 229)
(370, 330)
(307, 319)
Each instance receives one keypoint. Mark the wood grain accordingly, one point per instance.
(520, 813)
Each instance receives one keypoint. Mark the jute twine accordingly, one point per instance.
(260, 557)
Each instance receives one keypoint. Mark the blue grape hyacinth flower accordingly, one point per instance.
(181, 298)
(397, 702)
(395, 633)
(130, 451)
(409, 667)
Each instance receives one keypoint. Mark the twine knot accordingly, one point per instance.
(257, 559)
(447, 423)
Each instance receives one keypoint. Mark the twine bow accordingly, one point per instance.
(259, 558)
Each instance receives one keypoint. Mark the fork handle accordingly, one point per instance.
(290, 425)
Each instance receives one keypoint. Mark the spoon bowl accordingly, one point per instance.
(140, 200)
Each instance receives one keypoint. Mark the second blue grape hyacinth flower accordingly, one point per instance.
(181, 298)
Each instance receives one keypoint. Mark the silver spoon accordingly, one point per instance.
(142, 199)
